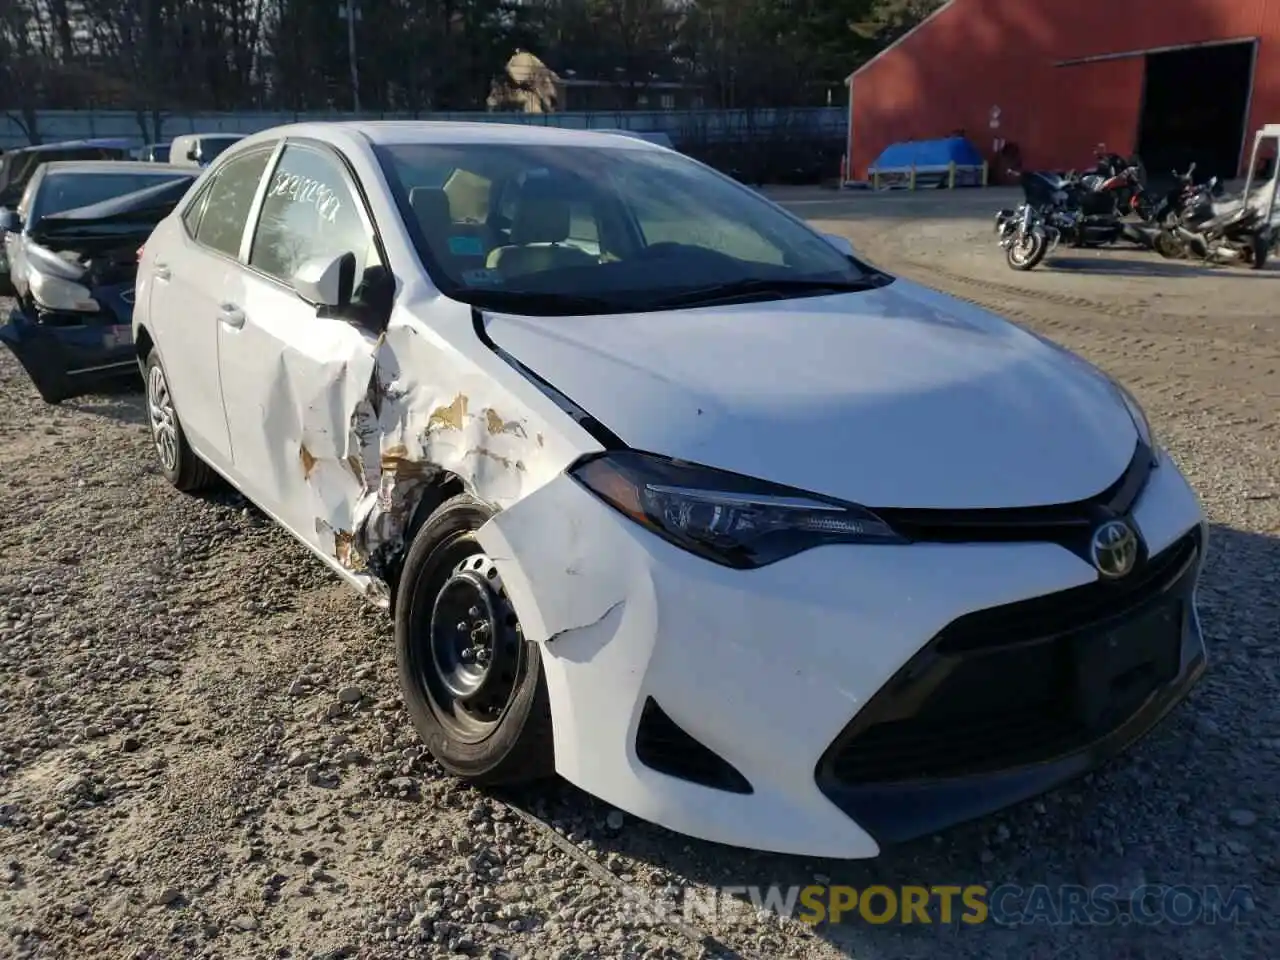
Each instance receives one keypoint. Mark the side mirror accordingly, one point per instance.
(327, 282)
(840, 243)
(193, 153)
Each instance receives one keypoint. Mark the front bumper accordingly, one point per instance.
(66, 354)
(841, 699)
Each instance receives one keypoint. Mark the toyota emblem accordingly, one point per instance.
(1114, 549)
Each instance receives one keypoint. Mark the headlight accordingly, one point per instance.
(725, 517)
(56, 293)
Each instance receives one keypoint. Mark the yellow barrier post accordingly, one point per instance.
(913, 176)
(951, 175)
(984, 173)
(875, 179)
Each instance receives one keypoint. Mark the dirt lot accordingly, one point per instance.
(202, 751)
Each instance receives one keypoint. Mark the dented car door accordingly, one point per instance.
(291, 376)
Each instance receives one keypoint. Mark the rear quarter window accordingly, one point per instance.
(191, 215)
(228, 200)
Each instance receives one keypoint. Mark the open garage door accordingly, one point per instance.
(1194, 108)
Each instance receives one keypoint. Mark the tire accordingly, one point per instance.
(1038, 247)
(486, 720)
(1259, 248)
(1167, 246)
(50, 394)
(178, 462)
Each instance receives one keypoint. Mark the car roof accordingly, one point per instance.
(76, 145)
(387, 132)
(114, 166)
(221, 135)
(649, 136)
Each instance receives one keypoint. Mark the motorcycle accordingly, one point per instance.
(1025, 236)
(1240, 230)
(1066, 208)
(1184, 193)
(1122, 179)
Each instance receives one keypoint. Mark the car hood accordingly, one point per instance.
(896, 397)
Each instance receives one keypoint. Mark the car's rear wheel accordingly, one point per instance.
(472, 683)
(178, 462)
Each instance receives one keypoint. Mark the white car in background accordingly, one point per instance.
(201, 149)
(668, 493)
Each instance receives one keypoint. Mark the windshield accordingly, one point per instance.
(211, 147)
(67, 191)
(16, 168)
(611, 229)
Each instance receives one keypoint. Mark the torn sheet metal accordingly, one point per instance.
(383, 428)
(549, 551)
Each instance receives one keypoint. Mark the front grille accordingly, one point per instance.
(1069, 525)
(1022, 683)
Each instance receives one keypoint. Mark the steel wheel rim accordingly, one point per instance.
(465, 608)
(164, 421)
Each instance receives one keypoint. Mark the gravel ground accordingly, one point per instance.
(203, 752)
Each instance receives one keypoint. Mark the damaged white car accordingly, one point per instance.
(668, 493)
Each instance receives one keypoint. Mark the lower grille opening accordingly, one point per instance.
(1023, 684)
(662, 746)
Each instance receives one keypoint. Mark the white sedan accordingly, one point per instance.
(669, 494)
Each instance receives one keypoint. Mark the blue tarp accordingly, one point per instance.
(928, 153)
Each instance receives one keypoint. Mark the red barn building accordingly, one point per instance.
(1172, 80)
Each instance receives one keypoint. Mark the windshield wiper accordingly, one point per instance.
(757, 286)
(538, 303)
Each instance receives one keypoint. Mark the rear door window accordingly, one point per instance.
(229, 200)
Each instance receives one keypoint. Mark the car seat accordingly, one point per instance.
(538, 230)
(464, 246)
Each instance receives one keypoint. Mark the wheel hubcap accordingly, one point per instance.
(164, 422)
(475, 646)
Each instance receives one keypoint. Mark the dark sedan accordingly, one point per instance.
(74, 261)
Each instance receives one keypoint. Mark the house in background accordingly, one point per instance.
(531, 86)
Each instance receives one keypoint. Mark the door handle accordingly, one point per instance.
(160, 271)
(231, 315)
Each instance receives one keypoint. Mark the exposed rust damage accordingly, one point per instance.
(414, 418)
(496, 425)
(451, 417)
(343, 547)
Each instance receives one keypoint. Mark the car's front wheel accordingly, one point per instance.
(472, 683)
(178, 462)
